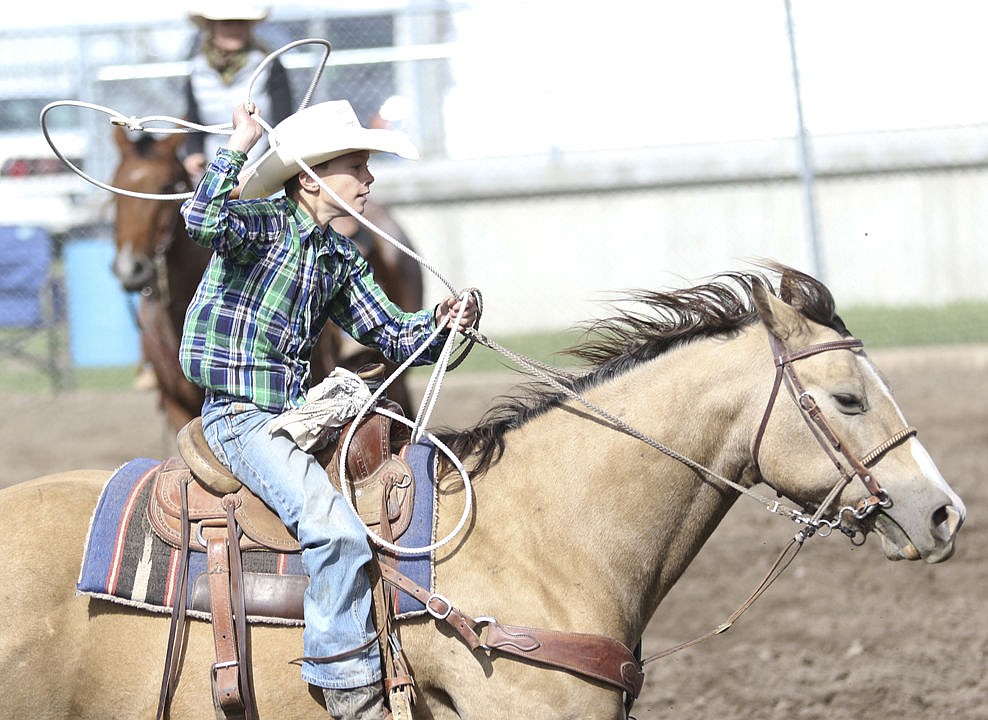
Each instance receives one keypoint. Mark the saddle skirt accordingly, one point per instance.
(135, 535)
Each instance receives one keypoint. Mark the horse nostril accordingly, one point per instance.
(946, 521)
(134, 272)
(955, 518)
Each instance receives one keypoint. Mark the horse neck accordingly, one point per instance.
(637, 517)
(185, 263)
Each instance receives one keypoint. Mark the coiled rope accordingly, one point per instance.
(149, 123)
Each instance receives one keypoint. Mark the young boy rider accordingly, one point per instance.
(278, 273)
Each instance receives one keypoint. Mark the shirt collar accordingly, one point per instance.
(331, 241)
(306, 225)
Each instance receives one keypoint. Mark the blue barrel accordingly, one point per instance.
(102, 328)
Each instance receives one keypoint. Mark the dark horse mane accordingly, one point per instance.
(617, 344)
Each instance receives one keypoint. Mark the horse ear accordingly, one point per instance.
(170, 145)
(782, 320)
(123, 142)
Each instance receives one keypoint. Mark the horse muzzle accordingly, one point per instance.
(932, 540)
(135, 271)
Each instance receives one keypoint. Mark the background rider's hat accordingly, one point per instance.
(316, 134)
(205, 12)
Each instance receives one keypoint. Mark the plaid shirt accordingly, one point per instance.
(273, 282)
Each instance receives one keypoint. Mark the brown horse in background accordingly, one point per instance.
(154, 256)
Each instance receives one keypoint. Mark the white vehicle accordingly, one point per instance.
(36, 187)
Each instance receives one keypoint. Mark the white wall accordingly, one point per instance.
(902, 221)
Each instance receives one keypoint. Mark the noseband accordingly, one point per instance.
(824, 432)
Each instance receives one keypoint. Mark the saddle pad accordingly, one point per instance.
(127, 563)
(421, 458)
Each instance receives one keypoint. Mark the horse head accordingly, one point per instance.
(144, 228)
(746, 386)
(833, 437)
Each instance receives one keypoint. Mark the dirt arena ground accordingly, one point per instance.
(843, 635)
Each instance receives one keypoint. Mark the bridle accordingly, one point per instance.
(831, 442)
(828, 438)
(168, 234)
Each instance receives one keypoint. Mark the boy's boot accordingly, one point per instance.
(359, 703)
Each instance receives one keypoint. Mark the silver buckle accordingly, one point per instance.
(435, 613)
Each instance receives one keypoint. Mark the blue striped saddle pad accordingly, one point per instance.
(125, 561)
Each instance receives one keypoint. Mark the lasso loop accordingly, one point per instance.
(418, 431)
(172, 125)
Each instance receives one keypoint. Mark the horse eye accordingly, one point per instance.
(849, 404)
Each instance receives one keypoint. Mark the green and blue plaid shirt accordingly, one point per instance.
(273, 282)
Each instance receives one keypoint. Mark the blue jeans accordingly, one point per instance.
(334, 545)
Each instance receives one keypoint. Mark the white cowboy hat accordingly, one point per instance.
(227, 11)
(316, 134)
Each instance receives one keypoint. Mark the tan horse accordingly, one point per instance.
(578, 525)
(154, 256)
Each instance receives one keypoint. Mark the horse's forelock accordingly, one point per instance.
(810, 296)
(145, 145)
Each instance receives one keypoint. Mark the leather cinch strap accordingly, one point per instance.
(225, 673)
(231, 681)
(177, 627)
(594, 656)
(231, 677)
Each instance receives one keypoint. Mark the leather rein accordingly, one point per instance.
(610, 661)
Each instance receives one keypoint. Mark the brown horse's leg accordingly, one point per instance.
(178, 398)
